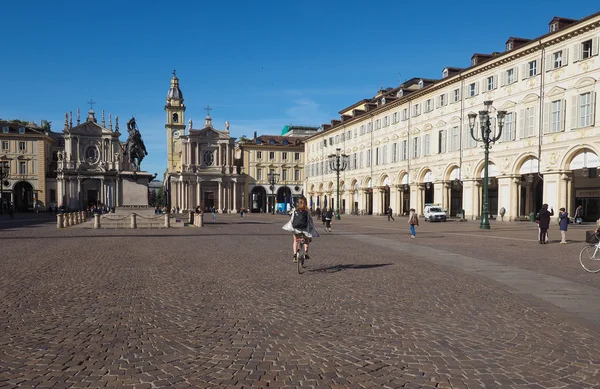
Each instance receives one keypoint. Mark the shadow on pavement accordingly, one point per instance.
(336, 268)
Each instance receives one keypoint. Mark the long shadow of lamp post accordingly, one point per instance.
(273, 180)
(338, 162)
(4, 173)
(487, 136)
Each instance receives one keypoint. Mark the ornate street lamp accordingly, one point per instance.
(273, 180)
(338, 162)
(4, 173)
(487, 136)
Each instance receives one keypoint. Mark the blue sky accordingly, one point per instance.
(260, 65)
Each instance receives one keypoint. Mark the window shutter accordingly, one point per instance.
(476, 89)
(494, 129)
(595, 43)
(516, 70)
(522, 124)
(524, 71)
(593, 108)
(483, 86)
(536, 121)
(514, 126)
(503, 78)
(565, 60)
(546, 127)
(549, 63)
(576, 52)
(495, 81)
(564, 115)
(574, 109)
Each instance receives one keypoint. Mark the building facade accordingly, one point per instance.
(280, 157)
(412, 144)
(201, 170)
(26, 156)
(90, 166)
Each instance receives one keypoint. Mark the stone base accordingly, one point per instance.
(144, 210)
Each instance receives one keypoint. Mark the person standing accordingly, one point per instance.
(390, 214)
(563, 222)
(413, 220)
(544, 217)
(579, 214)
(213, 211)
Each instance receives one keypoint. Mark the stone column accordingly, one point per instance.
(477, 202)
(198, 188)
(570, 205)
(235, 207)
(167, 220)
(77, 218)
(102, 192)
(219, 195)
(60, 220)
(515, 193)
(185, 195)
(83, 217)
(133, 220)
(96, 220)
(117, 203)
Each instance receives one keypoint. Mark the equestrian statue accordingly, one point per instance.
(134, 147)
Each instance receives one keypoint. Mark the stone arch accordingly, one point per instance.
(312, 188)
(575, 151)
(382, 180)
(448, 173)
(522, 160)
(330, 186)
(400, 176)
(321, 187)
(493, 171)
(426, 173)
(367, 182)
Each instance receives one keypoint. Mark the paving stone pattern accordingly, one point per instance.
(223, 307)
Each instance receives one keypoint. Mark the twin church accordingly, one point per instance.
(202, 169)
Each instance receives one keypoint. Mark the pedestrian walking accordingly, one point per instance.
(563, 222)
(579, 214)
(213, 211)
(544, 220)
(390, 214)
(413, 220)
(327, 216)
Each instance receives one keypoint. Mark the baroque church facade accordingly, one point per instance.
(202, 170)
(91, 169)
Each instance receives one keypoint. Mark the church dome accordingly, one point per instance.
(174, 91)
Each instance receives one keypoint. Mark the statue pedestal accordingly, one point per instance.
(134, 193)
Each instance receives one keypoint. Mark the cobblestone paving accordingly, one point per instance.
(223, 307)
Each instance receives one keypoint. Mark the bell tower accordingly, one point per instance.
(175, 125)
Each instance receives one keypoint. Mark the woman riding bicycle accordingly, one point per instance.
(301, 223)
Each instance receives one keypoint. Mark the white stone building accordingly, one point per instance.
(411, 145)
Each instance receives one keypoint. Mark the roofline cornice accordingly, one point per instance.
(535, 45)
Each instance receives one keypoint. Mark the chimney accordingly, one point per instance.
(255, 135)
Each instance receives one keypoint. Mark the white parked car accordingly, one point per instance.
(434, 213)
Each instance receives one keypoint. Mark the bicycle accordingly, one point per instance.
(589, 257)
(300, 251)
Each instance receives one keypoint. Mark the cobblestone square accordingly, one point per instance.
(223, 307)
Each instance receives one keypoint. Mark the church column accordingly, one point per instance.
(235, 207)
(80, 193)
(228, 158)
(198, 156)
(117, 200)
(220, 205)
(515, 190)
(198, 193)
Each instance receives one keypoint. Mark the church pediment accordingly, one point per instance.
(90, 129)
(208, 133)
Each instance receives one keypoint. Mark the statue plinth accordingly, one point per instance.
(134, 192)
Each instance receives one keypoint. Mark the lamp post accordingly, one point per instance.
(338, 162)
(4, 173)
(487, 136)
(273, 180)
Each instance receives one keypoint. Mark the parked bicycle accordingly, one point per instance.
(589, 256)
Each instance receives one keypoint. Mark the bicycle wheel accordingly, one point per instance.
(300, 256)
(589, 257)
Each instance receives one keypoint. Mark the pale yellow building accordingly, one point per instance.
(26, 153)
(411, 145)
(284, 157)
